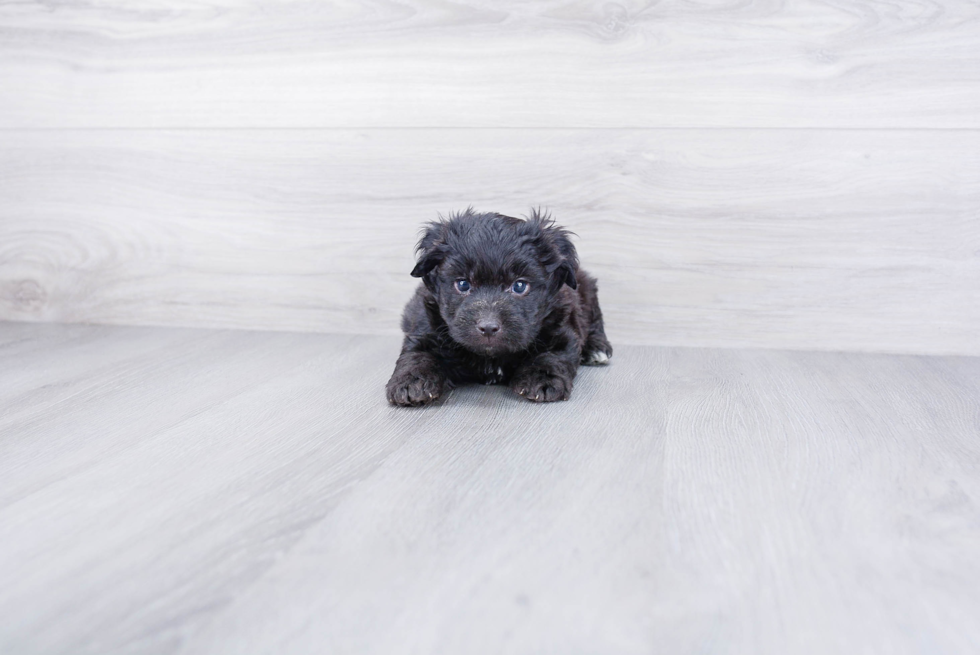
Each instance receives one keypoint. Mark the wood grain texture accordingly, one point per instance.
(808, 239)
(184, 491)
(192, 461)
(477, 63)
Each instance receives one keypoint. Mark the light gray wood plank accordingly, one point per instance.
(684, 501)
(421, 63)
(139, 493)
(266, 499)
(807, 239)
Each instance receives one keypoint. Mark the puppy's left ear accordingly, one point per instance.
(564, 274)
(556, 250)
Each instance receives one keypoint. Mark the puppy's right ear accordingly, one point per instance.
(428, 262)
(432, 252)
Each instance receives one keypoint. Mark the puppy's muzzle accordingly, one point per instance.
(488, 327)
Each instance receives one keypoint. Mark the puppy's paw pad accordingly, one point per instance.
(542, 388)
(412, 390)
(595, 358)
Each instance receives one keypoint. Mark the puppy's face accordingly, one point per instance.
(495, 277)
(492, 307)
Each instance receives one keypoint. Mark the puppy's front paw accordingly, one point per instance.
(410, 388)
(541, 387)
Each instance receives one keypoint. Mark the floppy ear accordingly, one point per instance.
(428, 261)
(556, 250)
(562, 274)
(565, 274)
(432, 251)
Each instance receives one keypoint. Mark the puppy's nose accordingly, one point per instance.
(488, 328)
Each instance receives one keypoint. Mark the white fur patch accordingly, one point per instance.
(595, 357)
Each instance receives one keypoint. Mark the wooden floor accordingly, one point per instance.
(166, 490)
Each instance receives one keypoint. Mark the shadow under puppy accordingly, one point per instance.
(502, 300)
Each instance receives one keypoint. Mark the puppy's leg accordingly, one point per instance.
(597, 350)
(418, 380)
(547, 377)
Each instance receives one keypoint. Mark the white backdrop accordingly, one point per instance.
(795, 174)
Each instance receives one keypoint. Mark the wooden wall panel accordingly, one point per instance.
(483, 63)
(849, 239)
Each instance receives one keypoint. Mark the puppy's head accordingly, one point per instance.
(495, 278)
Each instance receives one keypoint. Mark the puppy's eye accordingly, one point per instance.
(462, 286)
(520, 287)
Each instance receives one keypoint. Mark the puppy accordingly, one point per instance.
(502, 300)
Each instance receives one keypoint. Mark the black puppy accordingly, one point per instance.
(502, 300)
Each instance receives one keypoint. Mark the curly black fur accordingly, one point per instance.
(532, 337)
